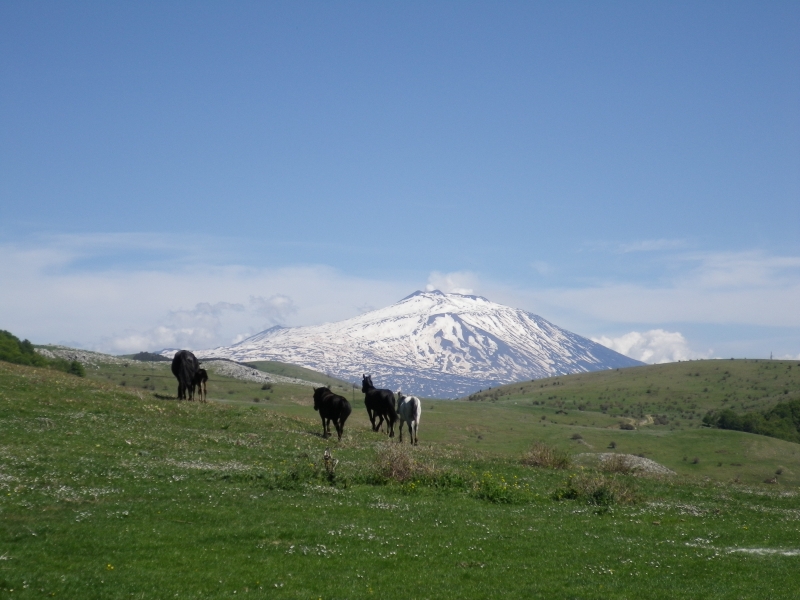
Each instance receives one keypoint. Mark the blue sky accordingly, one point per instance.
(186, 174)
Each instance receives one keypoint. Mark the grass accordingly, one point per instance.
(111, 492)
(510, 418)
(288, 370)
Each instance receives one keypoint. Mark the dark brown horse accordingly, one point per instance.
(331, 407)
(380, 405)
(184, 367)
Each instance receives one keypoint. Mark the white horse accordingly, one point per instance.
(409, 408)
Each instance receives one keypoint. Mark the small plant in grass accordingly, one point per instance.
(576, 436)
(542, 455)
(496, 489)
(597, 489)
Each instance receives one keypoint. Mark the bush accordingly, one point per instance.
(597, 489)
(542, 455)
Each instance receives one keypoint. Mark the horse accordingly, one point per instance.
(409, 408)
(199, 383)
(184, 366)
(331, 407)
(380, 405)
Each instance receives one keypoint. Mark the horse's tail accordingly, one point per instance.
(346, 410)
(415, 409)
(392, 412)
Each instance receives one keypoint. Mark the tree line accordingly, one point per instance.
(23, 353)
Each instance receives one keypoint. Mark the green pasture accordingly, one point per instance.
(117, 492)
(578, 413)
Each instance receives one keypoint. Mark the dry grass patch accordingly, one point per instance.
(398, 462)
(542, 455)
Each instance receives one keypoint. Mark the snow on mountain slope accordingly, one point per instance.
(432, 344)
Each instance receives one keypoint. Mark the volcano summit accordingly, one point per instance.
(432, 344)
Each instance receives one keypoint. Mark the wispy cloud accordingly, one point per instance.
(652, 245)
(751, 288)
(56, 292)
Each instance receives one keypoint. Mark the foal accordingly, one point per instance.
(199, 382)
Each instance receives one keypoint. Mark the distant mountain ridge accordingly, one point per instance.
(432, 344)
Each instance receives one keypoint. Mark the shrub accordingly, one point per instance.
(597, 489)
(23, 353)
(20, 352)
(542, 455)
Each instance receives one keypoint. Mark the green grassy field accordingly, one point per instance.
(111, 491)
(503, 421)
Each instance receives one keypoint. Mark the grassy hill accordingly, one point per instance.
(576, 413)
(681, 393)
(287, 370)
(112, 491)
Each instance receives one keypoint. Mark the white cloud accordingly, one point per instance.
(458, 282)
(46, 296)
(719, 288)
(67, 290)
(654, 346)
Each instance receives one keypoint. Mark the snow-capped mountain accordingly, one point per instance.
(432, 344)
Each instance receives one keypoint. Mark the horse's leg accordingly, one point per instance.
(323, 426)
(371, 418)
(401, 432)
(339, 428)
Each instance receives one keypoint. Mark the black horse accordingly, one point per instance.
(199, 384)
(184, 367)
(331, 407)
(380, 405)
